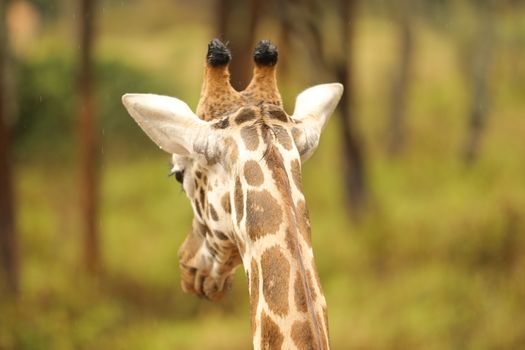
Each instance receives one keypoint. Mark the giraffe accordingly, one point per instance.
(238, 158)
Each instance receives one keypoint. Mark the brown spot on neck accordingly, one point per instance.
(225, 203)
(296, 174)
(197, 208)
(283, 137)
(271, 336)
(245, 114)
(241, 247)
(302, 336)
(213, 212)
(275, 270)
(263, 214)
(277, 113)
(303, 221)
(253, 173)
(239, 200)
(299, 296)
(291, 243)
(250, 137)
(232, 149)
(220, 235)
(254, 292)
(275, 163)
(222, 124)
(202, 198)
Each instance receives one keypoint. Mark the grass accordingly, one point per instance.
(437, 262)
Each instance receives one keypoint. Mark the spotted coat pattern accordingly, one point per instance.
(249, 209)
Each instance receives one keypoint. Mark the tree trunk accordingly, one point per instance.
(285, 36)
(237, 24)
(308, 28)
(352, 152)
(301, 21)
(401, 82)
(88, 140)
(8, 239)
(479, 101)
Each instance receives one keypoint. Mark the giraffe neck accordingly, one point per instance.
(287, 305)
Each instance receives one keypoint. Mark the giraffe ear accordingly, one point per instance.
(313, 107)
(168, 122)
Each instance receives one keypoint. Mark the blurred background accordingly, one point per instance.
(416, 193)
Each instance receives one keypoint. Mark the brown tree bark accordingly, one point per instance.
(400, 84)
(481, 59)
(353, 159)
(285, 38)
(237, 22)
(301, 22)
(88, 140)
(8, 239)
(307, 27)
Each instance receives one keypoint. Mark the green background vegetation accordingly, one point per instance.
(436, 262)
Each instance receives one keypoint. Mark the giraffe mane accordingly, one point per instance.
(276, 165)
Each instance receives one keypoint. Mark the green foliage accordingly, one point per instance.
(436, 263)
(47, 105)
(45, 100)
(49, 9)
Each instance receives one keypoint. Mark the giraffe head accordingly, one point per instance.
(238, 158)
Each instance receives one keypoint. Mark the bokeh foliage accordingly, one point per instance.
(437, 262)
(46, 101)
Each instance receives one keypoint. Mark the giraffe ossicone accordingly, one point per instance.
(238, 158)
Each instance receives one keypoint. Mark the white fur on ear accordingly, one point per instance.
(168, 122)
(313, 107)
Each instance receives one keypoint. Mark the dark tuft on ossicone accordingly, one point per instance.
(265, 53)
(218, 54)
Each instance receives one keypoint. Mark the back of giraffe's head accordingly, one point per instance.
(176, 129)
(238, 158)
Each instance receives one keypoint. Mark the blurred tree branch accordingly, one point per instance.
(481, 62)
(401, 80)
(8, 239)
(353, 157)
(301, 21)
(88, 140)
(304, 19)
